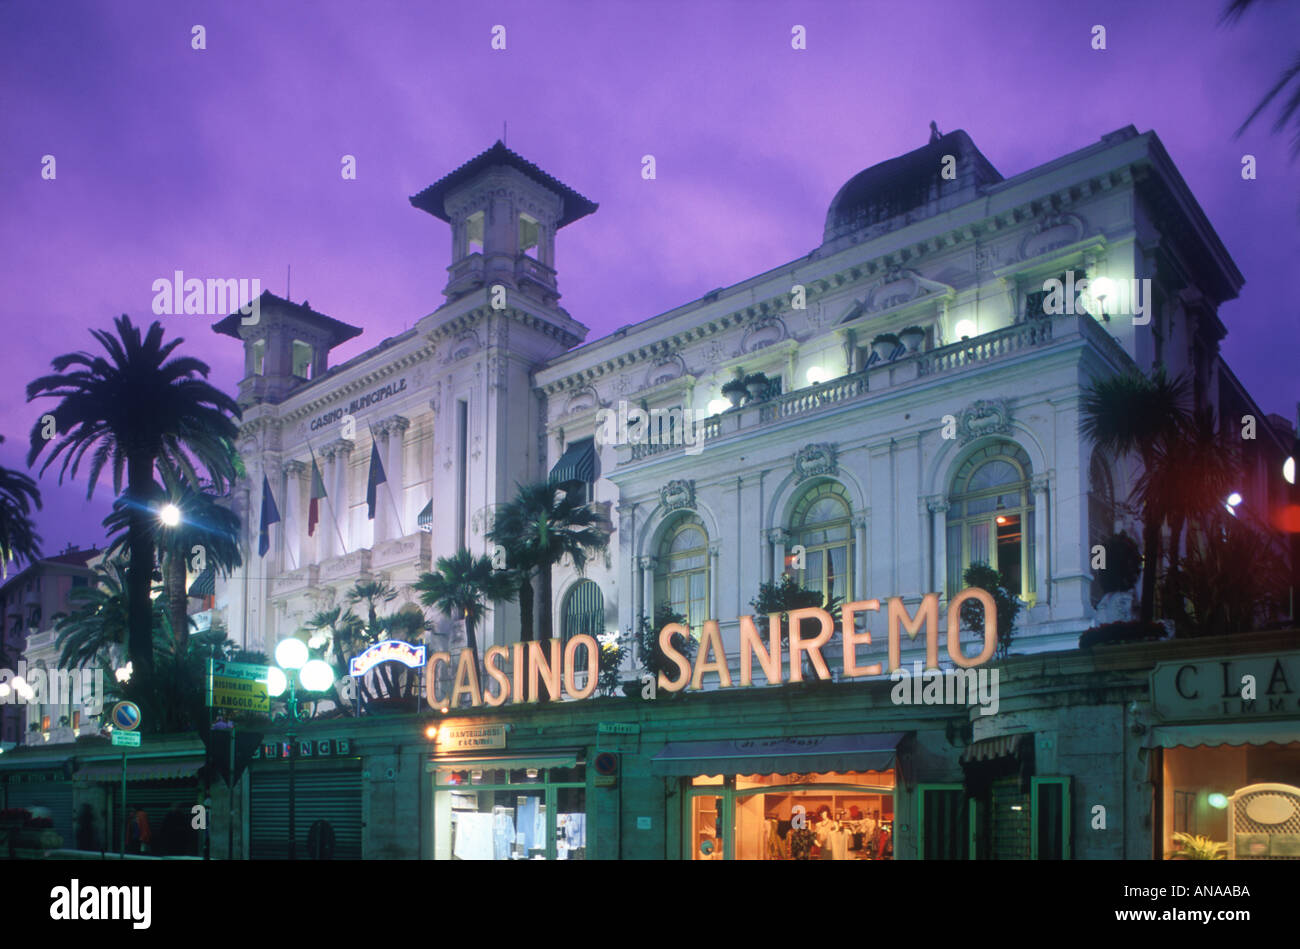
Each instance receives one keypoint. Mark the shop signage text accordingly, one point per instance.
(1228, 687)
(559, 666)
(390, 650)
(306, 748)
(471, 737)
(383, 392)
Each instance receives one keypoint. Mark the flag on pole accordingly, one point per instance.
(270, 515)
(317, 492)
(377, 477)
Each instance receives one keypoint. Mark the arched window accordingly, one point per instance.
(991, 518)
(822, 523)
(682, 574)
(584, 611)
(1101, 511)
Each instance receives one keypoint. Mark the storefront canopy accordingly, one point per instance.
(992, 749)
(162, 769)
(512, 763)
(1213, 735)
(876, 752)
(578, 463)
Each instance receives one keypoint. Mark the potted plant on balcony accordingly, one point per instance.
(734, 391)
(884, 345)
(757, 384)
(912, 337)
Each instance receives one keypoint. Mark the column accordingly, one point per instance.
(1042, 562)
(396, 471)
(715, 583)
(326, 538)
(938, 507)
(780, 539)
(860, 552)
(648, 565)
(340, 495)
(293, 520)
(383, 507)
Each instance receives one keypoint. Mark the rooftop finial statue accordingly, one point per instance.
(935, 134)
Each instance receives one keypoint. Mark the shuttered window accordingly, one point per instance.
(54, 797)
(1051, 807)
(945, 823)
(332, 795)
(584, 610)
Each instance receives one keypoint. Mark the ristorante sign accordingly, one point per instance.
(361, 402)
(554, 665)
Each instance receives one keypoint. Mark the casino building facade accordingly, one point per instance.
(917, 412)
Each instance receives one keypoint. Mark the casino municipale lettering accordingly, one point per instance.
(553, 665)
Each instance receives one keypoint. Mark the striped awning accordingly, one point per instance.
(1224, 733)
(871, 752)
(991, 749)
(425, 518)
(205, 584)
(578, 463)
(160, 770)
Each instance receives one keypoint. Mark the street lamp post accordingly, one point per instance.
(292, 669)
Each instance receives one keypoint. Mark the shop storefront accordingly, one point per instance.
(1227, 753)
(44, 793)
(166, 789)
(328, 799)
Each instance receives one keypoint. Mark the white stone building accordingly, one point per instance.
(893, 470)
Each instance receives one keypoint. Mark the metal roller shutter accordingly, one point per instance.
(333, 795)
(54, 796)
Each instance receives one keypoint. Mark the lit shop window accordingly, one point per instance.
(820, 816)
(683, 580)
(991, 518)
(822, 524)
(517, 809)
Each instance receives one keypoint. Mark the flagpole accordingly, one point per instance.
(334, 514)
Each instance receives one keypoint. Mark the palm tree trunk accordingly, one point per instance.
(1150, 560)
(1173, 603)
(525, 618)
(547, 626)
(472, 640)
(176, 603)
(140, 571)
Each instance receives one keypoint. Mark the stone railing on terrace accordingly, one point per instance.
(1001, 342)
(814, 397)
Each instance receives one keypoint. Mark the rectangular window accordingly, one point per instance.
(509, 810)
(301, 359)
(258, 357)
(1050, 799)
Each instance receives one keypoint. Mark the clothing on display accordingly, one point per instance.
(473, 835)
(503, 832)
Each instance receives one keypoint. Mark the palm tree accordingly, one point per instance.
(18, 537)
(98, 618)
(137, 409)
(1128, 413)
(542, 525)
(346, 634)
(460, 586)
(1289, 77)
(204, 523)
(371, 592)
(1190, 477)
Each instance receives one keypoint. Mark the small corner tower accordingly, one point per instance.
(504, 212)
(286, 345)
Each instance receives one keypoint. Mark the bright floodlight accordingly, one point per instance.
(1234, 499)
(1217, 800)
(1288, 470)
(1103, 288)
(170, 515)
(291, 653)
(276, 683)
(718, 406)
(316, 676)
(965, 328)
(817, 375)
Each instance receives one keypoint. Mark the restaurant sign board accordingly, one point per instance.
(1227, 688)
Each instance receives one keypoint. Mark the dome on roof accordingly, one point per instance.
(894, 187)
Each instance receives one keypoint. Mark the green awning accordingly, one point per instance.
(425, 518)
(205, 584)
(161, 770)
(578, 463)
(1213, 734)
(481, 763)
(872, 752)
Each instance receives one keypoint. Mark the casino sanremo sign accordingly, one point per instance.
(239, 686)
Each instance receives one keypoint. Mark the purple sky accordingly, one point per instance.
(225, 162)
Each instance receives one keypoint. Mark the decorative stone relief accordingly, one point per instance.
(984, 417)
(816, 459)
(665, 369)
(677, 494)
(1050, 232)
(763, 332)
